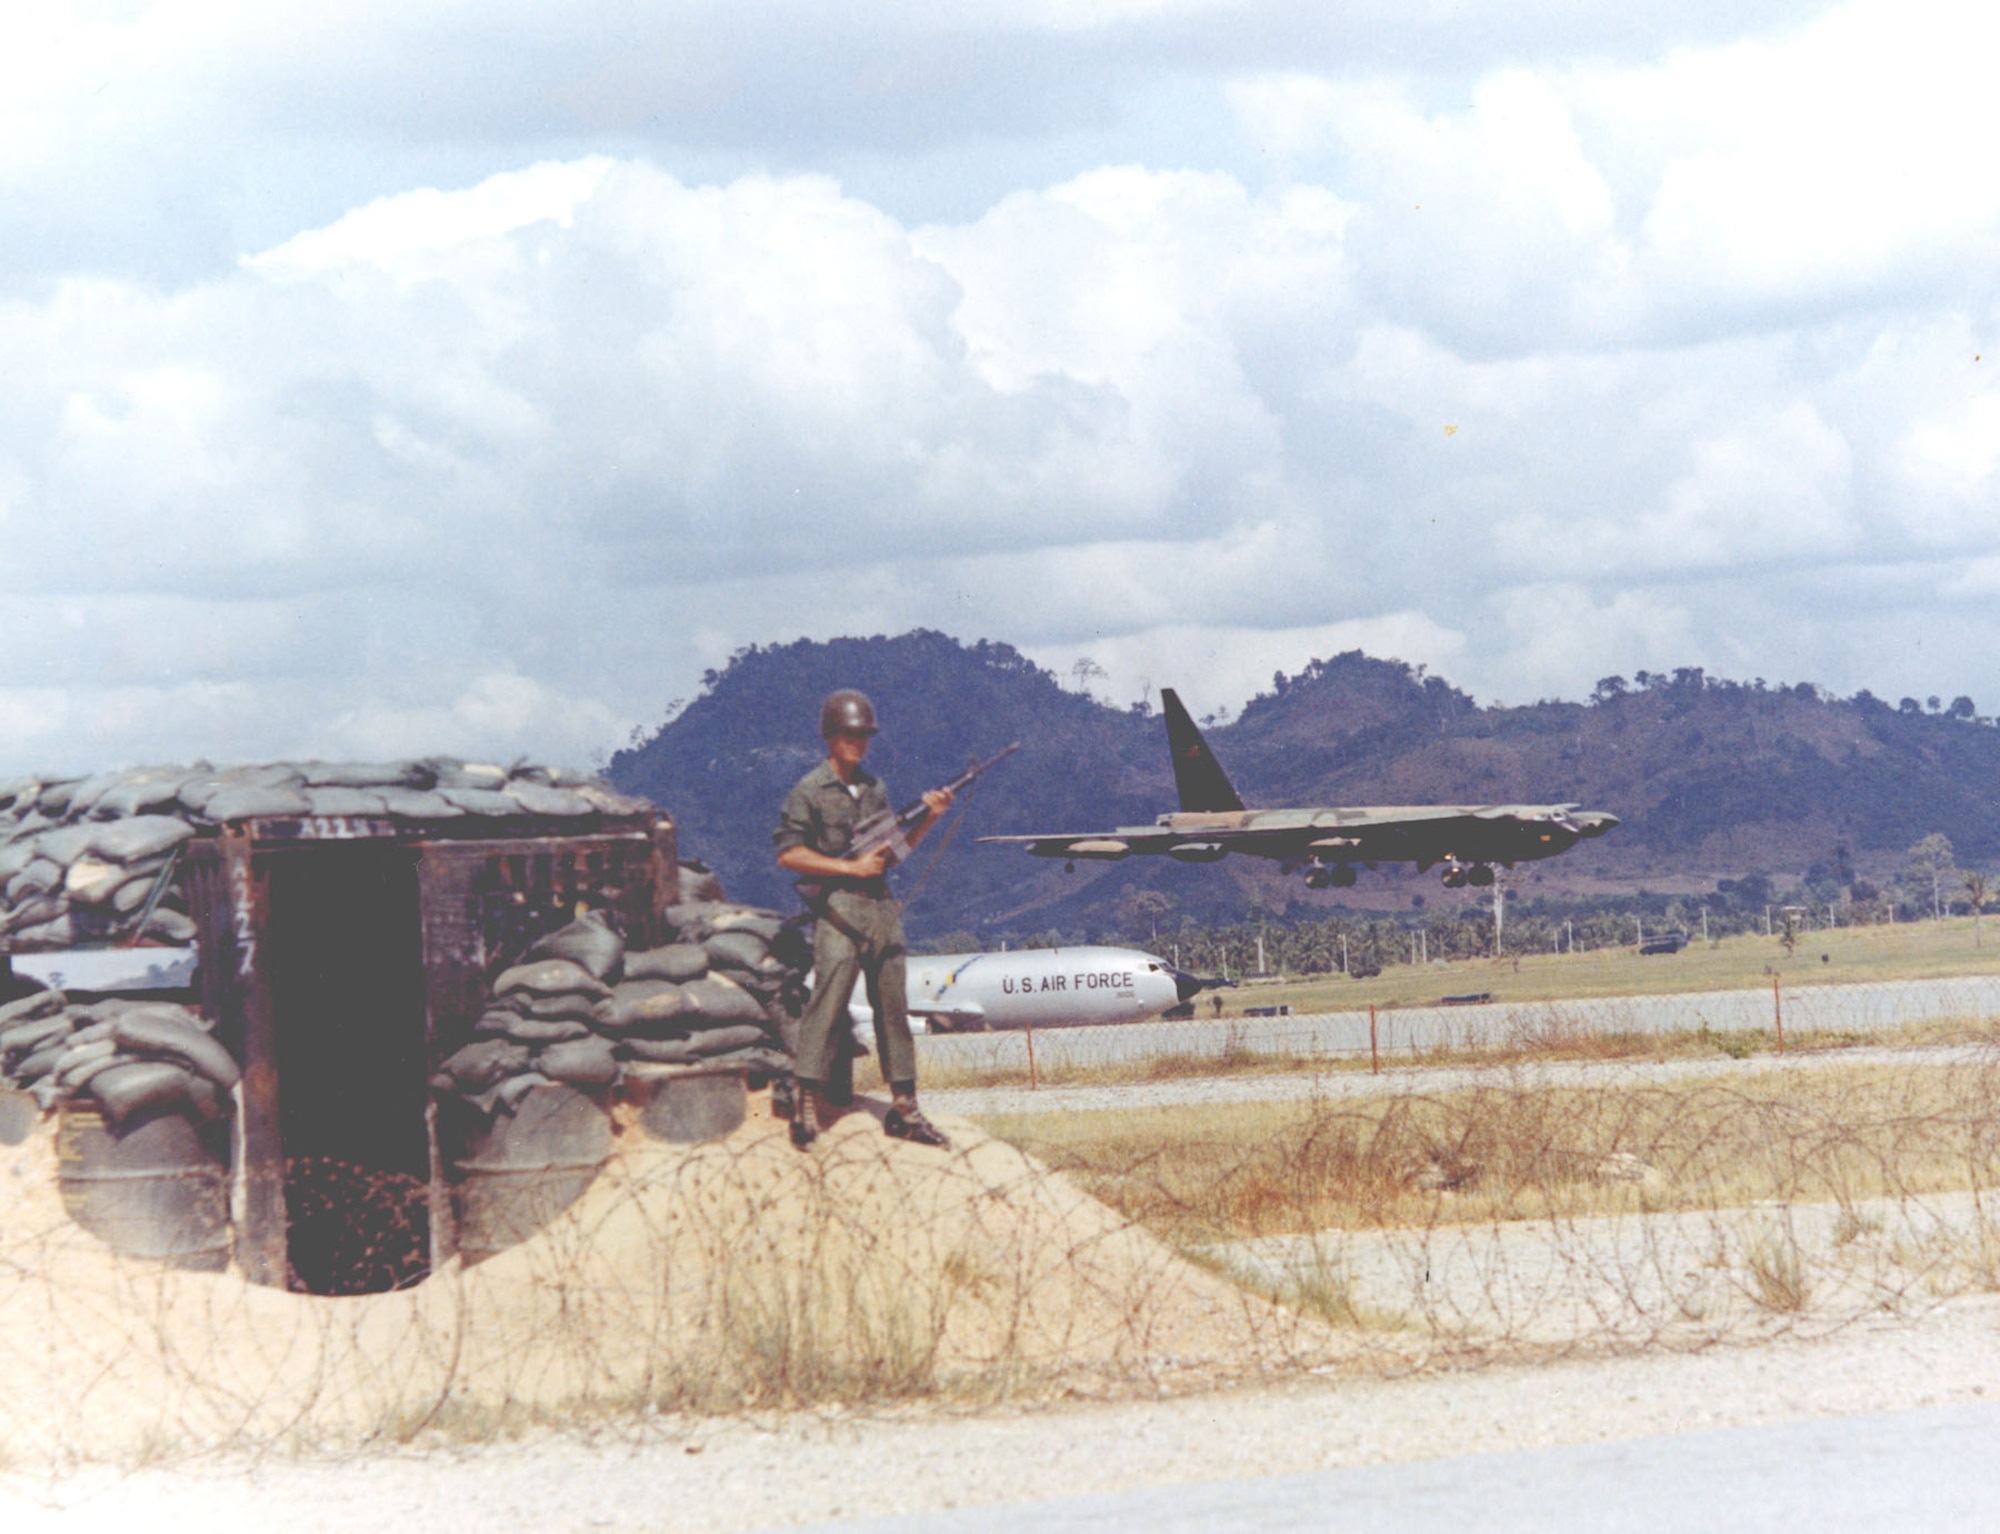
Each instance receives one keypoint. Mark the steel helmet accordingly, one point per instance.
(846, 712)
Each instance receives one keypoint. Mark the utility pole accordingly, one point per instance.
(1704, 924)
(1499, 915)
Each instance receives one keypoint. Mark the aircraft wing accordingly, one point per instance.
(1103, 846)
(957, 1013)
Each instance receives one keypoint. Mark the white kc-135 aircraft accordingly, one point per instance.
(1038, 988)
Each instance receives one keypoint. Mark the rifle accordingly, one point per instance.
(891, 828)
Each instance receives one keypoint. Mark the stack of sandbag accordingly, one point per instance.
(579, 1007)
(85, 860)
(123, 1055)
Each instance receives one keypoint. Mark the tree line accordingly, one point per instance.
(1929, 885)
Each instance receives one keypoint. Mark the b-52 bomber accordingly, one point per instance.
(1465, 840)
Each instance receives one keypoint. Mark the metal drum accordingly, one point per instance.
(152, 1187)
(688, 1106)
(525, 1168)
(19, 1114)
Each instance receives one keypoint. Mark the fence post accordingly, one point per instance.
(1778, 1011)
(1029, 1030)
(1374, 1058)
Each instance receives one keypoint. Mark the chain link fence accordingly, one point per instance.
(1406, 1031)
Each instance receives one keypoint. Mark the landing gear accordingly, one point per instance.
(1478, 875)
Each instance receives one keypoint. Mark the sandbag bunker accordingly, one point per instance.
(340, 1022)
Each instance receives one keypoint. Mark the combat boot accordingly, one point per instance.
(906, 1121)
(805, 1115)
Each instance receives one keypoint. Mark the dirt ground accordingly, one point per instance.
(718, 1475)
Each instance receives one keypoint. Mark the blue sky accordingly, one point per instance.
(429, 377)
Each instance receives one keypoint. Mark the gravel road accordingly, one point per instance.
(1862, 1008)
(718, 1477)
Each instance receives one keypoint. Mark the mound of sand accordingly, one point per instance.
(738, 1272)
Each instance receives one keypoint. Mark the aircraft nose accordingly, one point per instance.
(1186, 986)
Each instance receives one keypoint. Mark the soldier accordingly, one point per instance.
(859, 932)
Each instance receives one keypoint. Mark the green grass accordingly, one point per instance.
(1909, 951)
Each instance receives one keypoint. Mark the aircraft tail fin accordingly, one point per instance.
(1198, 775)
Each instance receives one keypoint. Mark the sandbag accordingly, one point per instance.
(529, 1030)
(551, 977)
(59, 933)
(367, 775)
(722, 1000)
(249, 802)
(64, 844)
(42, 876)
(35, 1066)
(482, 801)
(346, 801)
(15, 855)
(584, 1063)
(588, 942)
(743, 918)
(54, 797)
(756, 1057)
(635, 1002)
(139, 792)
(508, 1094)
(609, 801)
(139, 837)
(677, 962)
(169, 926)
(91, 881)
(656, 1051)
(126, 1089)
(472, 775)
(689, 919)
(130, 896)
(80, 1062)
(419, 804)
(33, 911)
(152, 1033)
(538, 800)
(168, 1011)
(741, 950)
(718, 1041)
(478, 1066)
(571, 1006)
(29, 1009)
(24, 1039)
(699, 884)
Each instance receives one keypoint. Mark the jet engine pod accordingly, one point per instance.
(1321, 876)
(1198, 852)
(1104, 849)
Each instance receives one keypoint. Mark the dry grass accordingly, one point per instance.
(1524, 1153)
(731, 1276)
(1509, 1220)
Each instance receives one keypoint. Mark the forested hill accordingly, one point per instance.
(1713, 779)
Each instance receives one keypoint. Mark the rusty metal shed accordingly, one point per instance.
(341, 957)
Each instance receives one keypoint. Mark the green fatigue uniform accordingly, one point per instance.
(859, 932)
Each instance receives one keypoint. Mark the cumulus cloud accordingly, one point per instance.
(1498, 363)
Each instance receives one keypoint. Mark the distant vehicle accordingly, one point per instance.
(1665, 942)
(1467, 840)
(1039, 988)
